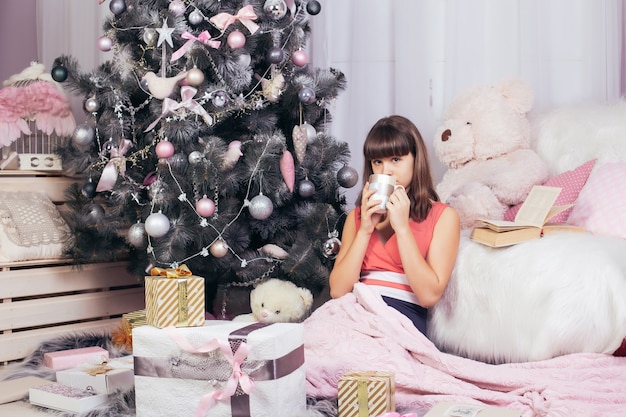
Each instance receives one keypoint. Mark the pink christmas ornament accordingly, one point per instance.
(300, 58)
(236, 39)
(219, 248)
(195, 77)
(205, 207)
(164, 149)
(299, 137)
(105, 43)
(287, 169)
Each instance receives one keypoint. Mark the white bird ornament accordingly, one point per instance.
(162, 87)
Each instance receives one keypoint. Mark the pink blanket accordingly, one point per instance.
(360, 332)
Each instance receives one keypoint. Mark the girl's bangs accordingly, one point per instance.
(386, 143)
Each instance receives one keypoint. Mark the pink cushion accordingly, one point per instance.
(571, 182)
(601, 206)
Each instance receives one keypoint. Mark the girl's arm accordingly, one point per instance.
(429, 277)
(347, 269)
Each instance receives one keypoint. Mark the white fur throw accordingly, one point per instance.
(562, 293)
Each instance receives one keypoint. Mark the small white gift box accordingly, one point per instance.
(65, 398)
(105, 377)
(221, 369)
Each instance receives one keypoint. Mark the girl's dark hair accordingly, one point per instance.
(398, 136)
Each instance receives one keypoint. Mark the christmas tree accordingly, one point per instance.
(206, 144)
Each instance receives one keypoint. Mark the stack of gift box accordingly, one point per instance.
(84, 378)
(186, 366)
(182, 365)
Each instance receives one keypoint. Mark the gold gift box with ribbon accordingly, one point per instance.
(366, 394)
(133, 319)
(174, 297)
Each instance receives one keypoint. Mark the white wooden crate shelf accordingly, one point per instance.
(44, 299)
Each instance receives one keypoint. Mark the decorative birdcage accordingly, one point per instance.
(35, 118)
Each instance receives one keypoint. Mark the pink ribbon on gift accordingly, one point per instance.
(169, 106)
(396, 414)
(245, 15)
(237, 377)
(204, 38)
(115, 166)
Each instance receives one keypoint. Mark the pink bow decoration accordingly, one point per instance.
(237, 377)
(204, 38)
(169, 106)
(245, 15)
(115, 166)
(395, 414)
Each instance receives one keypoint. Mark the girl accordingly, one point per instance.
(408, 252)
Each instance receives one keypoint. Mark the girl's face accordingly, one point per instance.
(400, 167)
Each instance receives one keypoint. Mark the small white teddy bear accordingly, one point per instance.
(485, 142)
(278, 301)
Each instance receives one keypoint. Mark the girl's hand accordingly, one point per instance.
(398, 208)
(369, 217)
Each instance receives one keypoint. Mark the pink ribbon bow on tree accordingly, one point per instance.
(169, 106)
(204, 38)
(115, 166)
(245, 15)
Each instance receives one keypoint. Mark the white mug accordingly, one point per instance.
(384, 186)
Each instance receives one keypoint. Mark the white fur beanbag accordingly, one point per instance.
(563, 293)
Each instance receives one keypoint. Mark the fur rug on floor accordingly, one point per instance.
(121, 404)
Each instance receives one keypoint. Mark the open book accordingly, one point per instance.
(529, 223)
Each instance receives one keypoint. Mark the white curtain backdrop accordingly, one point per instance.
(412, 57)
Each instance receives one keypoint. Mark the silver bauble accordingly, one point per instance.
(117, 7)
(92, 105)
(347, 177)
(306, 188)
(83, 135)
(194, 158)
(244, 60)
(219, 98)
(260, 207)
(150, 36)
(311, 133)
(331, 248)
(195, 17)
(137, 235)
(157, 225)
(276, 9)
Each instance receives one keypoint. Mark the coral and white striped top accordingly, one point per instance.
(382, 265)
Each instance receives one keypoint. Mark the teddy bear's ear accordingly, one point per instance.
(518, 93)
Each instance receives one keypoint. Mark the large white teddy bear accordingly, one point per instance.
(485, 142)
